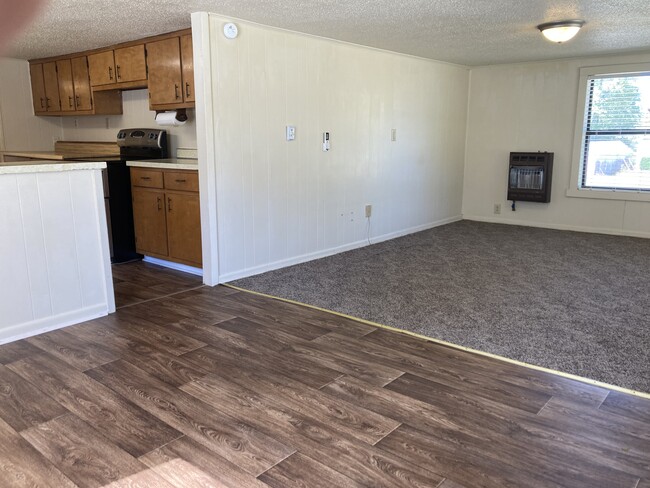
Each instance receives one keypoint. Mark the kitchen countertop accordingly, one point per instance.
(60, 156)
(169, 163)
(48, 166)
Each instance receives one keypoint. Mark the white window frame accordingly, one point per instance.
(575, 189)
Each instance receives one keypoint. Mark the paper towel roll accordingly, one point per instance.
(171, 118)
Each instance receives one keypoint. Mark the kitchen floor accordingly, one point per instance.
(215, 387)
(138, 281)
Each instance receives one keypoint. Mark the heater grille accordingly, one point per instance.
(529, 176)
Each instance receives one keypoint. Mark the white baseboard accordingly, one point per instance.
(46, 324)
(244, 273)
(544, 225)
(177, 266)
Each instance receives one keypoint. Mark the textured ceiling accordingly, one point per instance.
(469, 32)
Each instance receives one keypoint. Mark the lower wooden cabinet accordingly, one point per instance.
(150, 221)
(183, 221)
(166, 214)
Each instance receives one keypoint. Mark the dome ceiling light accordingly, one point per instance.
(561, 31)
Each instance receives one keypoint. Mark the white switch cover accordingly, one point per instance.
(393, 135)
(326, 141)
(291, 132)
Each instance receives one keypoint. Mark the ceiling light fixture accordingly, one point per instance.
(561, 31)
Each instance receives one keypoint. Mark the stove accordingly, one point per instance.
(135, 145)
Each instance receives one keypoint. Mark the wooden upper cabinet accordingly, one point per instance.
(101, 67)
(50, 78)
(38, 88)
(130, 64)
(187, 61)
(81, 83)
(165, 75)
(91, 82)
(122, 65)
(66, 86)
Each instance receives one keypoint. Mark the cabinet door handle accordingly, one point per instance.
(110, 73)
(169, 204)
(117, 70)
(47, 102)
(145, 177)
(78, 101)
(176, 90)
(42, 103)
(70, 102)
(159, 203)
(181, 181)
(187, 90)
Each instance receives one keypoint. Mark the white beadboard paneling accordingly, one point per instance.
(54, 259)
(282, 202)
(59, 235)
(15, 296)
(21, 129)
(87, 234)
(34, 243)
(532, 107)
(242, 273)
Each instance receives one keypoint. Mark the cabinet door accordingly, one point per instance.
(187, 60)
(101, 67)
(149, 221)
(184, 227)
(66, 87)
(130, 64)
(52, 100)
(38, 88)
(81, 83)
(165, 79)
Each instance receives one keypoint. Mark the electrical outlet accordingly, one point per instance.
(497, 208)
(368, 211)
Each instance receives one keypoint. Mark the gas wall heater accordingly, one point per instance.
(529, 177)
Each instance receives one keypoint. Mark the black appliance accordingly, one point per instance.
(529, 177)
(135, 145)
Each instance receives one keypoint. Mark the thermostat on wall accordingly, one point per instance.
(230, 30)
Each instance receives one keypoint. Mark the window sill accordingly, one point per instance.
(626, 195)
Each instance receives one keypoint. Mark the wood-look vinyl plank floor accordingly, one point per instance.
(126, 425)
(510, 373)
(218, 387)
(139, 281)
(359, 461)
(229, 437)
(81, 453)
(492, 388)
(186, 463)
(21, 465)
(22, 405)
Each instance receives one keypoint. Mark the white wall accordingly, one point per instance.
(136, 113)
(54, 257)
(532, 107)
(282, 202)
(19, 128)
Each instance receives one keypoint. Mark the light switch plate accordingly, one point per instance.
(291, 132)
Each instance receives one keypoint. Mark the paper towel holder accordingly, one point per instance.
(181, 114)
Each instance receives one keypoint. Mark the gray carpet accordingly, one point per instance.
(574, 302)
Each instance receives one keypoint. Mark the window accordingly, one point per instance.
(613, 151)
